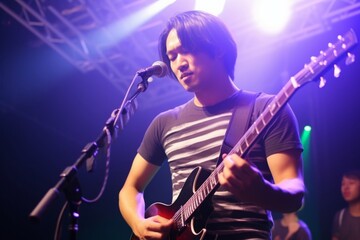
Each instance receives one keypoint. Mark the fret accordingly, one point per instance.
(207, 188)
(206, 191)
(189, 210)
(238, 148)
(260, 123)
(266, 116)
(211, 184)
(262, 119)
(294, 82)
(243, 146)
(251, 136)
(286, 93)
(186, 208)
(273, 108)
(279, 105)
(289, 90)
(246, 142)
(282, 99)
(257, 129)
(201, 195)
(182, 215)
(214, 180)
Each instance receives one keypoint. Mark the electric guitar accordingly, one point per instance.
(193, 205)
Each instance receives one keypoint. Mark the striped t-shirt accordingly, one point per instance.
(189, 136)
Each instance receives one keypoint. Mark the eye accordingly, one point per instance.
(172, 57)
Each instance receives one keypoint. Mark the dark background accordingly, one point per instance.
(49, 111)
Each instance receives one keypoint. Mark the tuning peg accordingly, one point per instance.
(322, 82)
(350, 58)
(337, 71)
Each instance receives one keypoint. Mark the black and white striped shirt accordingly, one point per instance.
(189, 136)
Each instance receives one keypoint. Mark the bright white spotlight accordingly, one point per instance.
(128, 24)
(307, 128)
(214, 7)
(272, 15)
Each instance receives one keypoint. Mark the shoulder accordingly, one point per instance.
(303, 225)
(304, 230)
(263, 100)
(174, 112)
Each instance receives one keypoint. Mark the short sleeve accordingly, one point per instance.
(151, 148)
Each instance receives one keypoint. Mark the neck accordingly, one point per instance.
(216, 94)
(289, 218)
(354, 209)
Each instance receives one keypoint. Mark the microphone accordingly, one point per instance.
(158, 69)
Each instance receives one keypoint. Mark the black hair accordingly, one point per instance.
(352, 174)
(201, 32)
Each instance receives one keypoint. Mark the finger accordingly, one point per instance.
(228, 179)
(232, 169)
(154, 225)
(159, 227)
(164, 221)
(238, 161)
(228, 162)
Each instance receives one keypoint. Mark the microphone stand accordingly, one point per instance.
(69, 183)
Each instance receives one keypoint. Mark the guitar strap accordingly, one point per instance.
(239, 122)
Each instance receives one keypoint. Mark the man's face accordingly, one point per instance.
(350, 189)
(194, 71)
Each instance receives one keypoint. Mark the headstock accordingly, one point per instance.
(326, 59)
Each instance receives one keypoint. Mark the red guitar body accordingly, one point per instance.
(195, 228)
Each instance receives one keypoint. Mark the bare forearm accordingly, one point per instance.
(286, 196)
(132, 206)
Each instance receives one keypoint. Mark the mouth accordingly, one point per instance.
(184, 75)
(346, 194)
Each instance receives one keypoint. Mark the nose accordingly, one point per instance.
(182, 64)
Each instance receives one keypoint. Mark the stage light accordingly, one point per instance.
(272, 15)
(306, 142)
(127, 25)
(214, 7)
(307, 128)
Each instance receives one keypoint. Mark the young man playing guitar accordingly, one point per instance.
(201, 54)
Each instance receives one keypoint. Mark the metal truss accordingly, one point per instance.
(65, 26)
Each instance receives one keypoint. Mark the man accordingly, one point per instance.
(290, 227)
(201, 54)
(346, 225)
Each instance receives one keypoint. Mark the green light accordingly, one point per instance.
(307, 128)
(305, 140)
